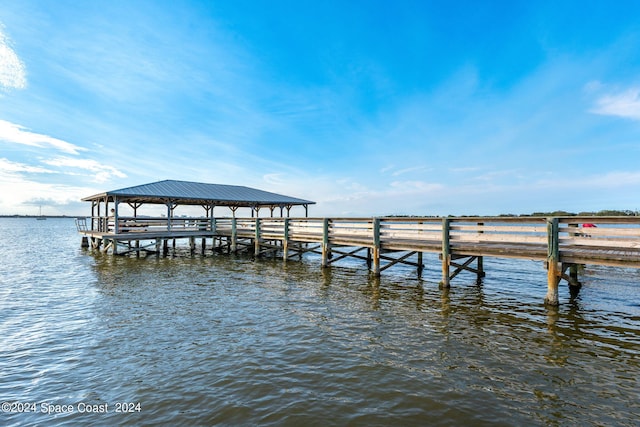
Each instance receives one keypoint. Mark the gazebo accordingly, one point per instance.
(110, 225)
(172, 193)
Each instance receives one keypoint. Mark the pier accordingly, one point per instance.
(561, 244)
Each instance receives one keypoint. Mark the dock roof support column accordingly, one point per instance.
(170, 207)
(116, 226)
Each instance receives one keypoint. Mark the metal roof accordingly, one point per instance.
(197, 193)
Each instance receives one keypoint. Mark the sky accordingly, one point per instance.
(368, 108)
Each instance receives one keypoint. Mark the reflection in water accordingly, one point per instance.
(226, 339)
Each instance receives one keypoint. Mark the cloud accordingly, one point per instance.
(16, 134)
(624, 104)
(8, 167)
(394, 170)
(415, 187)
(103, 172)
(21, 195)
(12, 70)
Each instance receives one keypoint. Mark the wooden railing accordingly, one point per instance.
(149, 224)
(563, 238)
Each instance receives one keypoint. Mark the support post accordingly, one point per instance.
(285, 241)
(325, 242)
(573, 273)
(446, 253)
(116, 220)
(480, 258)
(375, 267)
(234, 235)
(554, 271)
(420, 267)
(256, 250)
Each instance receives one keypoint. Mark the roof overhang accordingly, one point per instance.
(193, 193)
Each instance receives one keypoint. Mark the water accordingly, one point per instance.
(226, 340)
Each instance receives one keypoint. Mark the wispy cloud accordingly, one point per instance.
(12, 70)
(624, 104)
(7, 166)
(16, 134)
(102, 173)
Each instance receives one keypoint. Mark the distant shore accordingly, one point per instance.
(535, 214)
(42, 216)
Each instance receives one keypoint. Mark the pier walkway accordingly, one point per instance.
(560, 243)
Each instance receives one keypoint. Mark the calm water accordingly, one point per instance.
(228, 340)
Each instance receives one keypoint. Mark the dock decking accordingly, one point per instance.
(562, 243)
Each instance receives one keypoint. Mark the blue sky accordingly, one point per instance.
(366, 107)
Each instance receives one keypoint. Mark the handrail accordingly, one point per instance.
(610, 232)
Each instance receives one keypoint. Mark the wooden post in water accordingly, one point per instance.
(446, 253)
(553, 267)
(285, 241)
(574, 283)
(375, 268)
(325, 243)
(256, 249)
(479, 258)
(234, 235)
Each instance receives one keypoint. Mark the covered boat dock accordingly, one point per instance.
(130, 215)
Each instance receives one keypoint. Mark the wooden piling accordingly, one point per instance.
(234, 235)
(375, 252)
(256, 249)
(554, 270)
(446, 253)
(325, 243)
(285, 241)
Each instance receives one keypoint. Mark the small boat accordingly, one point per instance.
(40, 217)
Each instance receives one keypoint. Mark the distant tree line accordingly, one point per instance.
(606, 212)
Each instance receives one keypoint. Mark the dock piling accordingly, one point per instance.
(554, 271)
(446, 253)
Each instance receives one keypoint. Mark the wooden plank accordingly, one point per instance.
(501, 229)
(498, 238)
